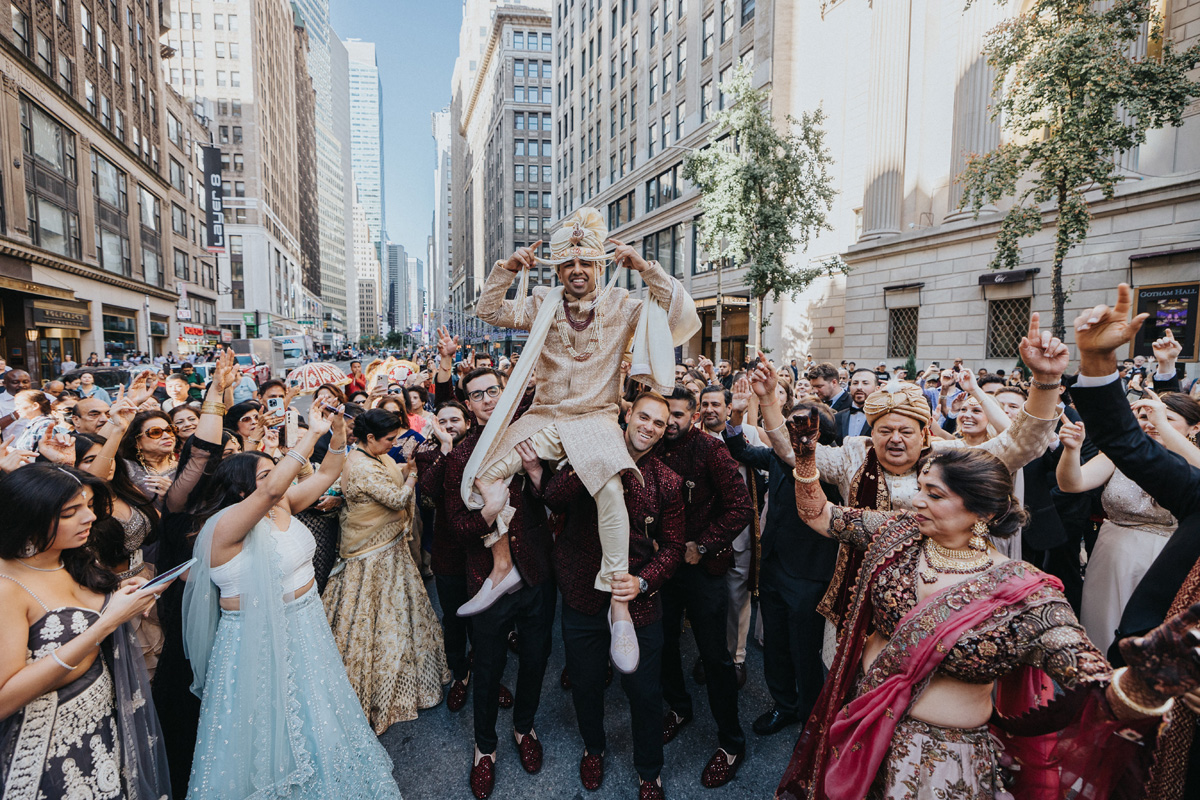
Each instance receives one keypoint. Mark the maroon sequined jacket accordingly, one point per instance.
(446, 557)
(529, 531)
(656, 540)
(716, 502)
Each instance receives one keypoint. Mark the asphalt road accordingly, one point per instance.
(433, 754)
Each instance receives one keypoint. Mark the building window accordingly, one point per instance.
(45, 58)
(178, 220)
(519, 94)
(120, 335)
(665, 247)
(902, 331)
(151, 238)
(653, 84)
(1007, 322)
(653, 131)
(109, 185)
(680, 60)
(519, 147)
(748, 14)
(85, 23)
(235, 79)
(518, 40)
(519, 68)
(547, 95)
(620, 211)
(705, 101)
(519, 173)
(722, 79)
(706, 42)
(680, 116)
(182, 266)
(519, 199)
(50, 181)
(66, 73)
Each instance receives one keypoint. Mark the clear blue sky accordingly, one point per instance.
(417, 41)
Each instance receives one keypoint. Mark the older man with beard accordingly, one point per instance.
(852, 421)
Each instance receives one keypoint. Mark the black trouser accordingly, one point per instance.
(793, 633)
(452, 593)
(706, 599)
(532, 607)
(586, 641)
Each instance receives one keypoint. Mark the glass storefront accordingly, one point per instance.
(120, 335)
(56, 345)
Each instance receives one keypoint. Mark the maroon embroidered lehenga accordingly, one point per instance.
(1010, 625)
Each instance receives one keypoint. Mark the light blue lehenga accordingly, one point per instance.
(278, 718)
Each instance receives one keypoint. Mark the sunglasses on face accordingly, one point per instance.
(478, 394)
(250, 419)
(158, 433)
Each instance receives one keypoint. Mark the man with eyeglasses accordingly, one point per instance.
(530, 607)
(89, 415)
(579, 332)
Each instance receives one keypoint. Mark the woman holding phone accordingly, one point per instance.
(76, 718)
(277, 714)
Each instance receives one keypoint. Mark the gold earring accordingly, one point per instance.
(979, 533)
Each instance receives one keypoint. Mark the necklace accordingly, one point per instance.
(593, 341)
(941, 560)
(579, 326)
(61, 565)
(271, 514)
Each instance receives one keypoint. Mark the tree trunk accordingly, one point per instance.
(1061, 245)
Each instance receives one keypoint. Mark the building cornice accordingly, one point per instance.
(41, 258)
(988, 227)
(503, 14)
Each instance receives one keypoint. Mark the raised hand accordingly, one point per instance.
(1045, 355)
(122, 412)
(1166, 351)
(805, 430)
(1156, 410)
(966, 381)
(11, 459)
(763, 379)
(142, 388)
(447, 345)
(1071, 433)
(1101, 330)
(58, 448)
(523, 258)
(741, 395)
(321, 418)
(226, 373)
(626, 256)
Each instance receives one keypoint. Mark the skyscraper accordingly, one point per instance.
(395, 289)
(366, 134)
(440, 252)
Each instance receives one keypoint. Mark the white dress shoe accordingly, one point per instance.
(487, 596)
(623, 647)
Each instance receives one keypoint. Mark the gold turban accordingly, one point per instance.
(899, 398)
(581, 236)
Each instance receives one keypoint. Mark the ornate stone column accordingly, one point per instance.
(975, 132)
(883, 193)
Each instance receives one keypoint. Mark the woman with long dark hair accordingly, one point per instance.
(277, 716)
(76, 719)
(376, 602)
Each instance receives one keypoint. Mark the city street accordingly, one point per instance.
(433, 753)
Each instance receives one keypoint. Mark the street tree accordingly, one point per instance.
(1072, 96)
(765, 192)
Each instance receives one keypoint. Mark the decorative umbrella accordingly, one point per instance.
(310, 377)
(398, 369)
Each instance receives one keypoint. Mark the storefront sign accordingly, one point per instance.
(226, 336)
(60, 318)
(212, 333)
(216, 200)
(29, 287)
(183, 313)
(191, 330)
(1171, 307)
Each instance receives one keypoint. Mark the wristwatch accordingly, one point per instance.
(643, 587)
(702, 549)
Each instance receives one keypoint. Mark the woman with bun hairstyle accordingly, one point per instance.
(382, 620)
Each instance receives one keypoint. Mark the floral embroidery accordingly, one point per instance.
(53, 627)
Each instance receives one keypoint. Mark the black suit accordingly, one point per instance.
(841, 422)
(1175, 485)
(841, 402)
(797, 564)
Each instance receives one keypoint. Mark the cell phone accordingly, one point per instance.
(275, 409)
(170, 575)
(291, 431)
(381, 381)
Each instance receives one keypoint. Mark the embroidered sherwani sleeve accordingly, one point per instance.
(659, 283)
(1023, 441)
(834, 464)
(856, 526)
(493, 309)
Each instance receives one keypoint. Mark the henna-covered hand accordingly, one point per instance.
(805, 431)
(1167, 659)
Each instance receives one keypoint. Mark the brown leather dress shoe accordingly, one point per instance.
(483, 778)
(591, 771)
(456, 698)
(719, 771)
(530, 750)
(506, 698)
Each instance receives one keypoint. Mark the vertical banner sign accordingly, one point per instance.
(216, 199)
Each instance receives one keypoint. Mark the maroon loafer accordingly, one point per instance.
(530, 750)
(456, 698)
(719, 771)
(649, 790)
(591, 771)
(672, 724)
(483, 778)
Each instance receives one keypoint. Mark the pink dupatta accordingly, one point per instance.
(862, 733)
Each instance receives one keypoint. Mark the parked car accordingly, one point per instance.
(107, 378)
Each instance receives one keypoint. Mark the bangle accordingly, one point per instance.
(338, 451)
(62, 663)
(1128, 702)
(213, 407)
(296, 455)
(1036, 384)
(815, 477)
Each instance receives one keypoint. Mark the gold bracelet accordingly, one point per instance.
(213, 407)
(1129, 703)
(816, 477)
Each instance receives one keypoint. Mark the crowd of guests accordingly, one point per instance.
(931, 557)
